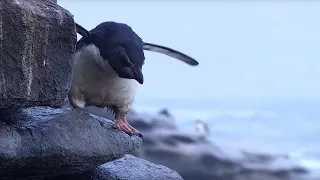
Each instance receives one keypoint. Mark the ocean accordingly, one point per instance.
(277, 127)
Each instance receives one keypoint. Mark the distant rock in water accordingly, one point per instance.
(128, 168)
(195, 157)
(166, 113)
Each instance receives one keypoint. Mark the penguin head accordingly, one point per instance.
(123, 49)
(126, 60)
(120, 46)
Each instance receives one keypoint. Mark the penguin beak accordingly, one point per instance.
(138, 75)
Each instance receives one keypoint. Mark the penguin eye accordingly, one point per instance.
(125, 62)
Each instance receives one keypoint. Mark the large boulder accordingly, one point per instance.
(42, 142)
(37, 40)
(133, 168)
(127, 168)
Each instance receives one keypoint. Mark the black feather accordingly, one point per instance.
(109, 36)
(124, 49)
(170, 52)
(82, 31)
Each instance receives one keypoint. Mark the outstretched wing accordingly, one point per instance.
(170, 52)
(82, 31)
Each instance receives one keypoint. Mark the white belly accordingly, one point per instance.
(95, 83)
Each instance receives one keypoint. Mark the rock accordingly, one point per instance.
(37, 40)
(137, 120)
(101, 112)
(132, 168)
(126, 168)
(148, 121)
(190, 155)
(195, 157)
(42, 142)
(165, 112)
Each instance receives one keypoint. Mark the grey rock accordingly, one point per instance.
(146, 121)
(42, 142)
(101, 112)
(132, 168)
(138, 120)
(127, 168)
(190, 155)
(195, 157)
(37, 40)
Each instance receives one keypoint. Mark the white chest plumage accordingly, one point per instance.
(96, 83)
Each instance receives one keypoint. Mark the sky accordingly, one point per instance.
(246, 49)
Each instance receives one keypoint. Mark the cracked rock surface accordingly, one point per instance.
(127, 168)
(37, 40)
(43, 142)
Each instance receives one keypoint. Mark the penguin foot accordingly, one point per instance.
(123, 125)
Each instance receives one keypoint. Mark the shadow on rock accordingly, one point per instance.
(41, 142)
(126, 168)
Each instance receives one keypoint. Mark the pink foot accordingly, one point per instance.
(124, 126)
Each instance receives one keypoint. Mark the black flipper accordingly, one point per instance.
(82, 31)
(86, 36)
(170, 52)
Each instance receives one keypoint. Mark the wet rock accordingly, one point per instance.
(42, 142)
(189, 154)
(37, 40)
(126, 168)
(193, 156)
(144, 121)
(132, 168)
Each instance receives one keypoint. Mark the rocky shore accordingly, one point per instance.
(59, 143)
(40, 139)
(195, 157)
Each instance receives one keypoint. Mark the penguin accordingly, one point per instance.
(107, 69)
(202, 127)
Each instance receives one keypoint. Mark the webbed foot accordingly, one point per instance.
(123, 125)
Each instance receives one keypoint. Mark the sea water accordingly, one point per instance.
(290, 127)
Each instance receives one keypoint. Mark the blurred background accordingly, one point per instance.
(256, 87)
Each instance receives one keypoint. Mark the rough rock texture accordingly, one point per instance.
(42, 142)
(194, 157)
(126, 168)
(37, 39)
(132, 168)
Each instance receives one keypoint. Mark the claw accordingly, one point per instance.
(126, 127)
